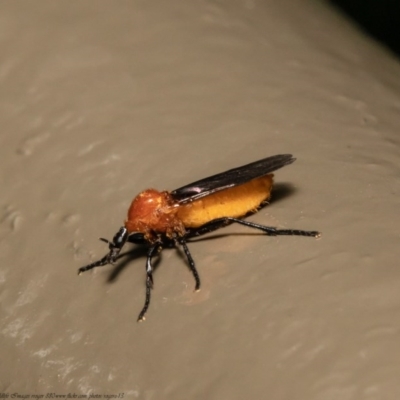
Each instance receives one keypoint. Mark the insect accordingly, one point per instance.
(169, 219)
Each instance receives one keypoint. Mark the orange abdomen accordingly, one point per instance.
(234, 202)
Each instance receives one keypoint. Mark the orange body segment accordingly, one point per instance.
(234, 202)
(153, 212)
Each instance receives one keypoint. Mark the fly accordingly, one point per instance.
(168, 219)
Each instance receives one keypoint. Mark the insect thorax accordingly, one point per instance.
(153, 212)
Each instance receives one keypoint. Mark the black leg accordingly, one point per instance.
(149, 279)
(192, 265)
(115, 247)
(104, 261)
(208, 227)
(270, 231)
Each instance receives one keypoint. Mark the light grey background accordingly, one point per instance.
(100, 100)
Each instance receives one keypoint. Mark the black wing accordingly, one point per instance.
(230, 178)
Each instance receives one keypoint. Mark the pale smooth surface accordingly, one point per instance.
(100, 100)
